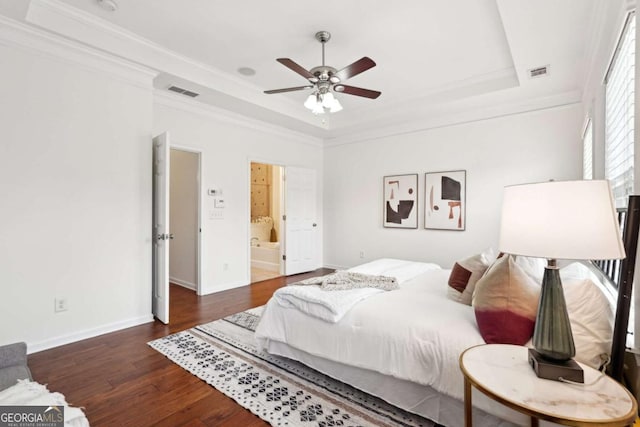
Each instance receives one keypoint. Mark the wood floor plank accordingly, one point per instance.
(120, 381)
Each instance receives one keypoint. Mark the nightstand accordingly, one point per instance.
(502, 372)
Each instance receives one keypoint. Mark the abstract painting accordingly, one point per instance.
(401, 201)
(445, 200)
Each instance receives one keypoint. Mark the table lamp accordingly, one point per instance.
(558, 220)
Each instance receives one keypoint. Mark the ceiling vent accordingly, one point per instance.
(539, 72)
(183, 91)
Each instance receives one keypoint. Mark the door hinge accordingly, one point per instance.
(284, 257)
(284, 217)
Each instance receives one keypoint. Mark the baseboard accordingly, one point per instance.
(334, 267)
(88, 333)
(184, 283)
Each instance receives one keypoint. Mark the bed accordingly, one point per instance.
(403, 346)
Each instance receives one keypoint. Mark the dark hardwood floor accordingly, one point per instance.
(120, 381)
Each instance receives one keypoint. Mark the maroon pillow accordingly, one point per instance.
(464, 275)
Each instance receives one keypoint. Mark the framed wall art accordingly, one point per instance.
(400, 201)
(445, 200)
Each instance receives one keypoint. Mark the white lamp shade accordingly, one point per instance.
(561, 220)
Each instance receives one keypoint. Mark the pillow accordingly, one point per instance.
(591, 311)
(505, 302)
(465, 274)
(534, 267)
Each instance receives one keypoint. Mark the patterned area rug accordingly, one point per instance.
(280, 391)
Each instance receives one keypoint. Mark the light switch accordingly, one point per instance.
(218, 202)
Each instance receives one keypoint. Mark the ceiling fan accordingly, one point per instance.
(325, 80)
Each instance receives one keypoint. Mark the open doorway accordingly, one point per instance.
(266, 236)
(184, 218)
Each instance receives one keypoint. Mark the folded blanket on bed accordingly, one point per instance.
(316, 302)
(345, 280)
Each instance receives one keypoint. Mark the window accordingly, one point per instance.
(619, 116)
(587, 151)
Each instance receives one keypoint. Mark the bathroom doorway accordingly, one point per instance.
(266, 236)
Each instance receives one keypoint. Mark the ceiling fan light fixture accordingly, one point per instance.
(335, 106)
(328, 100)
(311, 101)
(326, 80)
(318, 109)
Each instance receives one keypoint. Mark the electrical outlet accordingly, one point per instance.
(60, 304)
(361, 254)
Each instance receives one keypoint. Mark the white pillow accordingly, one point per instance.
(534, 267)
(592, 316)
(591, 308)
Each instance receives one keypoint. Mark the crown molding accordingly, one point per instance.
(62, 18)
(17, 34)
(434, 120)
(454, 91)
(221, 115)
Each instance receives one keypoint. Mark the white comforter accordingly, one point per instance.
(329, 306)
(414, 333)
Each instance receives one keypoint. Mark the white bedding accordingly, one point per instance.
(414, 333)
(331, 306)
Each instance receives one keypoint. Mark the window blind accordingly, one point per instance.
(619, 113)
(587, 152)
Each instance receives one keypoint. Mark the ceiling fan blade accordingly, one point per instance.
(289, 89)
(361, 65)
(357, 91)
(290, 64)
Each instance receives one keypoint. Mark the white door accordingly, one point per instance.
(161, 227)
(300, 224)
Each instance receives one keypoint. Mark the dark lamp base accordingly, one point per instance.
(553, 369)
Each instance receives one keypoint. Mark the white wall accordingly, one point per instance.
(183, 218)
(75, 179)
(228, 144)
(535, 146)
